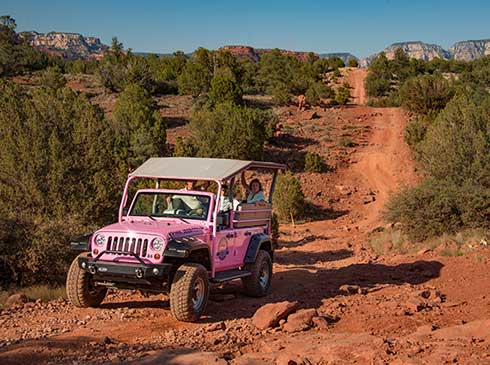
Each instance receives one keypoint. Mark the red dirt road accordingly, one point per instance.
(384, 319)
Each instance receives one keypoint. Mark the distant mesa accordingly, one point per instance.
(464, 51)
(470, 50)
(67, 45)
(254, 54)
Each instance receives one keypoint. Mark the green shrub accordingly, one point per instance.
(183, 148)
(52, 78)
(223, 89)
(142, 132)
(281, 94)
(427, 210)
(288, 198)
(197, 73)
(415, 132)
(342, 95)
(112, 70)
(425, 94)
(353, 62)
(456, 145)
(313, 162)
(231, 131)
(316, 91)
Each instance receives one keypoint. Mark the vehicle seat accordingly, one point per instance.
(252, 215)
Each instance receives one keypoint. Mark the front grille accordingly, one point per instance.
(124, 245)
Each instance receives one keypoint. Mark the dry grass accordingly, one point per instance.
(459, 244)
(389, 241)
(43, 292)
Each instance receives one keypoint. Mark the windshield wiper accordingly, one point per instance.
(183, 220)
(152, 217)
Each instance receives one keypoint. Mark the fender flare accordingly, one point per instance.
(256, 241)
(183, 249)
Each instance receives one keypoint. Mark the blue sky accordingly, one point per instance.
(359, 27)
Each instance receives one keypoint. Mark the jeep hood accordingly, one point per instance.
(157, 227)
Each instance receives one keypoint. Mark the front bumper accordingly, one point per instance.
(123, 271)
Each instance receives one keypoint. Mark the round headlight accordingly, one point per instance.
(157, 244)
(100, 240)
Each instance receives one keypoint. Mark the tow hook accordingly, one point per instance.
(92, 269)
(139, 273)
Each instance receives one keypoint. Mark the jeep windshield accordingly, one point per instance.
(178, 205)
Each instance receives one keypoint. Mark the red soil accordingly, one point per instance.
(378, 323)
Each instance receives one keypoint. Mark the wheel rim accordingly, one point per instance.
(264, 276)
(198, 294)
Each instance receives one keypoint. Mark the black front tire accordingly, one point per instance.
(258, 284)
(80, 289)
(189, 292)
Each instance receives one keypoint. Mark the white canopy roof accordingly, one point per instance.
(191, 168)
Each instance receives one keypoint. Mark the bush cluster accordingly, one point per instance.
(288, 198)
(62, 167)
(453, 152)
(313, 162)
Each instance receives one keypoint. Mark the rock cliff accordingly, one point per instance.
(67, 45)
(465, 51)
(470, 50)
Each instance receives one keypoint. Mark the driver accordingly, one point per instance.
(191, 203)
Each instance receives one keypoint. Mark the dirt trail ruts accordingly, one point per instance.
(356, 78)
(385, 165)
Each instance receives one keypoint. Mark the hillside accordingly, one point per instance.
(418, 307)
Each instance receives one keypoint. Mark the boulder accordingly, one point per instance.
(320, 322)
(16, 299)
(270, 314)
(300, 321)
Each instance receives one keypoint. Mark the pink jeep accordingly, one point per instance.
(178, 241)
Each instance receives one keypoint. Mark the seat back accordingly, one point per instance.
(252, 215)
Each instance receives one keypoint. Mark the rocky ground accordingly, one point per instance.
(333, 299)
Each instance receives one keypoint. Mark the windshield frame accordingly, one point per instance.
(210, 196)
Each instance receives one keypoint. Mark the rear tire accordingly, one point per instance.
(189, 292)
(258, 284)
(80, 289)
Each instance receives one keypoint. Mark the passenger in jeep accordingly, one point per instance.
(191, 204)
(254, 190)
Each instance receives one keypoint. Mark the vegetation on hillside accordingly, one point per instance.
(449, 134)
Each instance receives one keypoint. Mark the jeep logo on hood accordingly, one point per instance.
(186, 233)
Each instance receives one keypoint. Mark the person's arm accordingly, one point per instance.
(244, 182)
(259, 197)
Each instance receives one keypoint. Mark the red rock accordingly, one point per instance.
(300, 321)
(16, 300)
(320, 323)
(414, 305)
(270, 314)
(424, 251)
